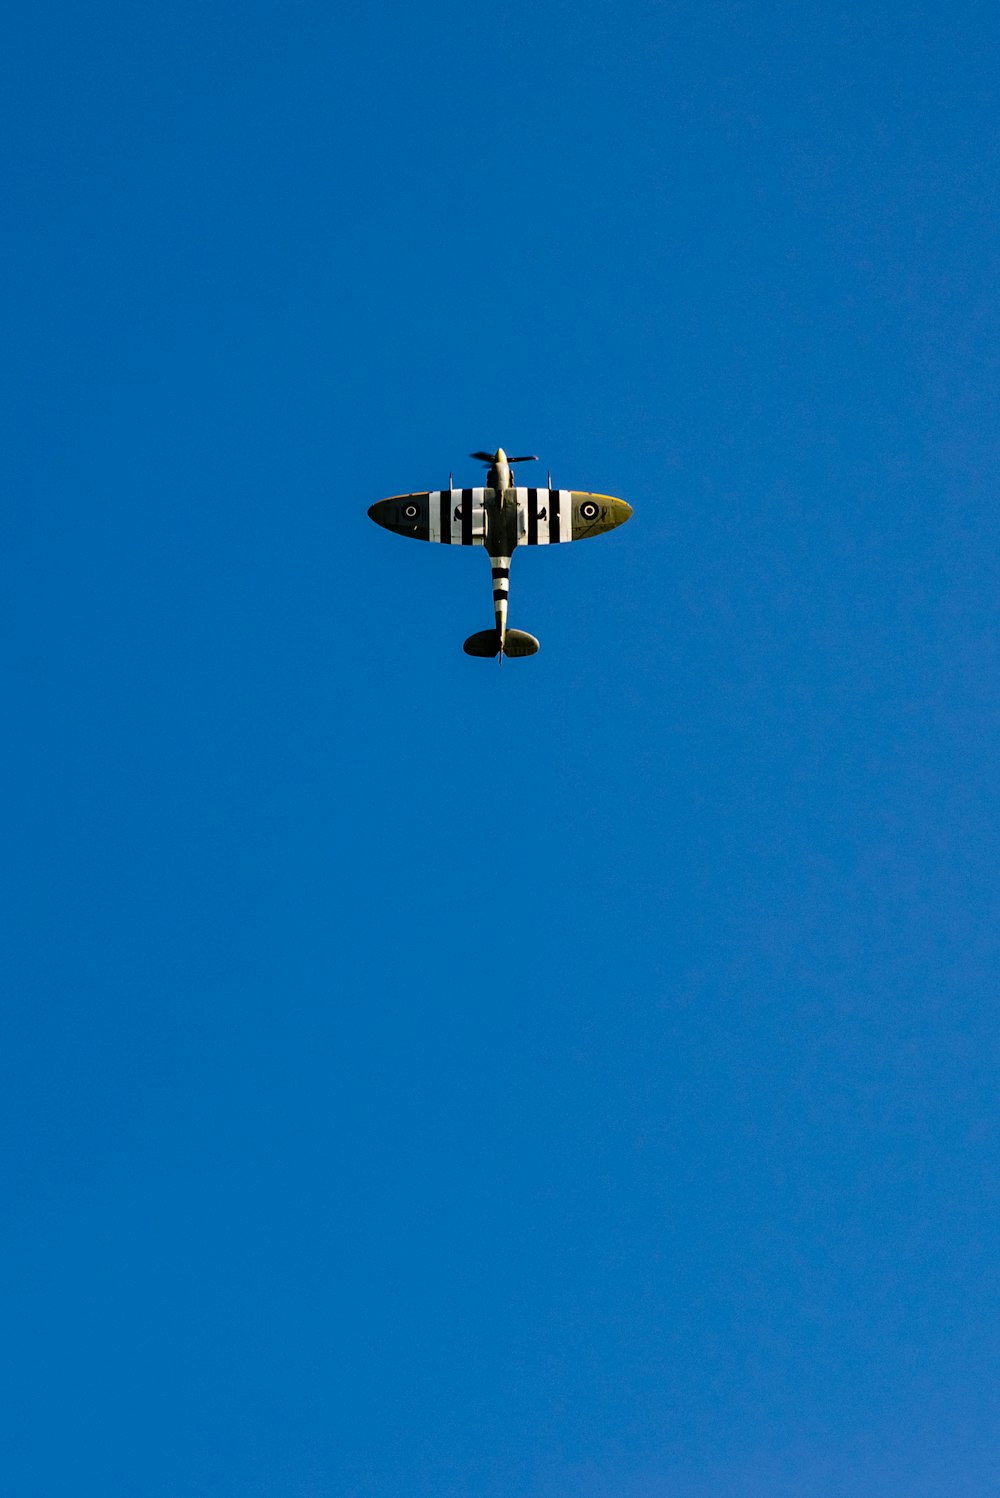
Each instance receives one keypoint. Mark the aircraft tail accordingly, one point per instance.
(487, 642)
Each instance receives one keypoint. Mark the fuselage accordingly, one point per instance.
(500, 477)
(501, 509)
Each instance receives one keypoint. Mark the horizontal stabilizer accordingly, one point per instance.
(487, 643)
(519, 642)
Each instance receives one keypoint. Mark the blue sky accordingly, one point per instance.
(578, 1078)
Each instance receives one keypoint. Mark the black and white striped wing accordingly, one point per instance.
(455, 517)
(548, 516)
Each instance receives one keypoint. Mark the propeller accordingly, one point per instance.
(488, 458)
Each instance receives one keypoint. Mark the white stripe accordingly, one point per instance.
(478, 517)
(455, 507)
(543, 501)
(434, 502)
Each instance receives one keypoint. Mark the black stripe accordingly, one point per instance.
(466, 517)
(446, 516)
(553, 514)
(499, 593)
(501, 572)
(532, 517)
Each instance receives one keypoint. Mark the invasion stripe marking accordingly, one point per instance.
(566, 516)
(547, 516)
(444, 516)
(501, 572)
(466, 517)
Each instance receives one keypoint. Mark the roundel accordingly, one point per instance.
(589, 510)
(411, 511)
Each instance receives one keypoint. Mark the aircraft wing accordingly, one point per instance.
(547, 516)
(455, 517)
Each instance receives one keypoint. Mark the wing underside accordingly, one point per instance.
(548, 516)
(458, 517)
(453, 517)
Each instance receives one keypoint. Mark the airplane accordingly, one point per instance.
(500, 517)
